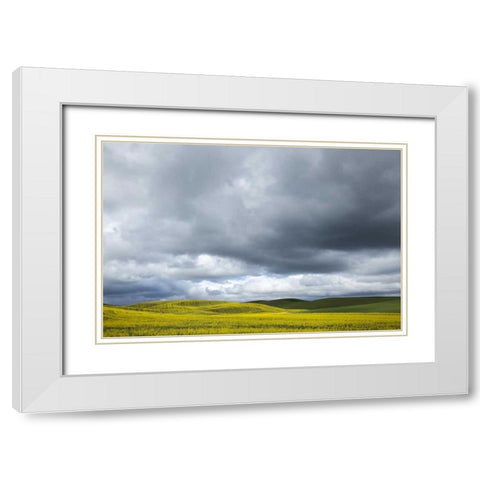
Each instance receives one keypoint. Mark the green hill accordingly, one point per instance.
(339, 304)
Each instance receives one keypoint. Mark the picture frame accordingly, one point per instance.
(39, 382)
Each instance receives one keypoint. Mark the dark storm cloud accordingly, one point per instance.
(191, 215)
(138, 290)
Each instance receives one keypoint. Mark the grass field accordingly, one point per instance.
(205, 317)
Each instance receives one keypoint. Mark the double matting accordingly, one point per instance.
(40, 383)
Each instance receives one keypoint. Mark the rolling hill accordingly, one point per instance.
(206, 317)
(339, 304)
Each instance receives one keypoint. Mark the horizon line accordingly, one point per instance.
(254, 301)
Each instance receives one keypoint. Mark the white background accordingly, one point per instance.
(408, 41)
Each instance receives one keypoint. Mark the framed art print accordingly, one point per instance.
(194, 240)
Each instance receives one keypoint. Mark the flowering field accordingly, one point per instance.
(200, 317)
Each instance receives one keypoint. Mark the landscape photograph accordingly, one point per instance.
(222, 239)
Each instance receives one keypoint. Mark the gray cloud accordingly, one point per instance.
(239, 223)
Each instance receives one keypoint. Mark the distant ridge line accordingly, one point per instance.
(379, 304)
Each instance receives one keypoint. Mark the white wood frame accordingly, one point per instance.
(38, 97)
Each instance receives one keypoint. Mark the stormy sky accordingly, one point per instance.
(245, 223)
